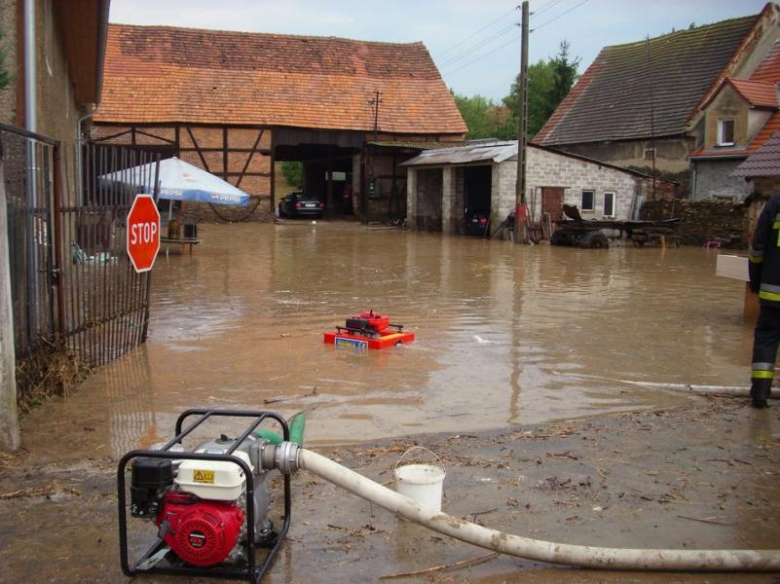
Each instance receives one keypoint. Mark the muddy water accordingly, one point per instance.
(505, 335)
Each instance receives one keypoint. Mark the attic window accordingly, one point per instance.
(725, 133)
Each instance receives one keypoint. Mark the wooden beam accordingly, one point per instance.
(263, 151)
(195, 143)
(153, 136)
(249, 158)
(224, 153)
(112, 136)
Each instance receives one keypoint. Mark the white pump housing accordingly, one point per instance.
(213, 479)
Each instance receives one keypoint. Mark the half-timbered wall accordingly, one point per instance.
(239, 155)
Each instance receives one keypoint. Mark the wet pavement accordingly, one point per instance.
(505, 335)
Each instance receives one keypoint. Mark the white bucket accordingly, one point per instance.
(423, 483)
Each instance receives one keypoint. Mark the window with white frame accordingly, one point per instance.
(725, 133)
(588, 200)
(609, 204)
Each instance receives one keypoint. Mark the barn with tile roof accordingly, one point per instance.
(635, 105)
(236, 104)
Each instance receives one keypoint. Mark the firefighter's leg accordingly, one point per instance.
(765, 344)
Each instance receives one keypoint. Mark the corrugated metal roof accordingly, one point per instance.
(765, 162)
(481, 152)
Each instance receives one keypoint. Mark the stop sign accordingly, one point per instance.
(143, 233)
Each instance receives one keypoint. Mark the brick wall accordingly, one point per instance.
(703, 221)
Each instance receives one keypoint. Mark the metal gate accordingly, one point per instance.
(72, 282)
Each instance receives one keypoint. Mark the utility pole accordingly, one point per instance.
(375, 102)
(371, 179)
(520, 207)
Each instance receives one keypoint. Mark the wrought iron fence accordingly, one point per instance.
(106, 301)
(71, 278)
(29, 183)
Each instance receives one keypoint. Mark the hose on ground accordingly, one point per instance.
(723, 390)
(535, 549)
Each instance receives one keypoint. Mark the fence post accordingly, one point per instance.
(9, 419)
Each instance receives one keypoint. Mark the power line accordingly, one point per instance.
(471, 36)
(559, 16)
(481, 57)
(470, 51)
(551, 4)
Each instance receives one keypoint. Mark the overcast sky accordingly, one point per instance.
(475, 43)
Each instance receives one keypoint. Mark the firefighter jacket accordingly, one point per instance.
(764, 265)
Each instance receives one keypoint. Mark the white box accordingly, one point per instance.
(732, 266)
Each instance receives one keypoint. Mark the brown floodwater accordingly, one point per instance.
(505, 335)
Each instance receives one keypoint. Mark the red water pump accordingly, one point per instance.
(208, 501)
(202, 533)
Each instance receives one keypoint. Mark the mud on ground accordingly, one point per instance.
(703, 476)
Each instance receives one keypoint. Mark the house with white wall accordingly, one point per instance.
(447, 186)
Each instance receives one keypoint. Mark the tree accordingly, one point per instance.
(548, 84)
(564, 74)
(293, 173)
(485, 118)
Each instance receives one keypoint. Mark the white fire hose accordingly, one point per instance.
(535, 549)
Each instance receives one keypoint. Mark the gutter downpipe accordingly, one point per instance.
(31, 125)
(79, 141)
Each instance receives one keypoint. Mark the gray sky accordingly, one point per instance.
(474, 43)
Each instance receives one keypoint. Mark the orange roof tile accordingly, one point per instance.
(156, 74)
(756, 93)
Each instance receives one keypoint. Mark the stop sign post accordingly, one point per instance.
(143, 233)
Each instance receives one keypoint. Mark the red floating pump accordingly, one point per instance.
(200, 532)
(368, 330)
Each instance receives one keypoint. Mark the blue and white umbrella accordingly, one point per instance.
(181, 181)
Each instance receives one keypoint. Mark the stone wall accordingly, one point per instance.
(703, 221)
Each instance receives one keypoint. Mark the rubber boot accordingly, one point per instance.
(759, 392)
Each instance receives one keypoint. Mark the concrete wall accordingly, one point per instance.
(424, 198)
(671, 159)
(727, 105)
(712, 179)
(57, 109)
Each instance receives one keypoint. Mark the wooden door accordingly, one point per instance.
(552, 203)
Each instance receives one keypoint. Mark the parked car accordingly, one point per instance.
(299, 204)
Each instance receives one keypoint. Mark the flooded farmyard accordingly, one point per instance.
(506, 334)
